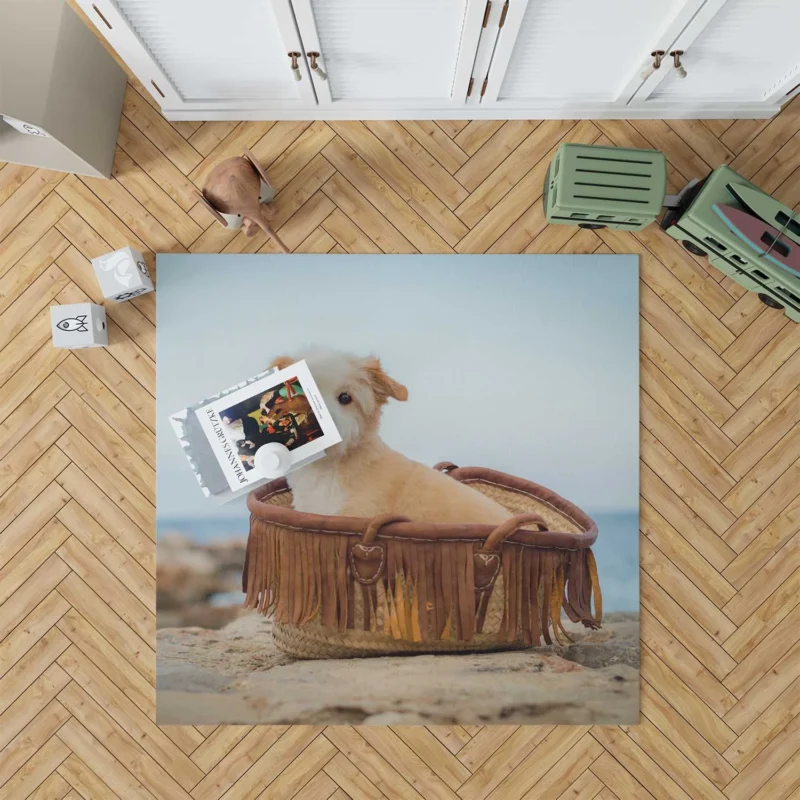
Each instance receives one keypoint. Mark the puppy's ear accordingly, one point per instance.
(281, 362)
(383, 386)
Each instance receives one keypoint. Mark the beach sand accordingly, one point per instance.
(236, 675)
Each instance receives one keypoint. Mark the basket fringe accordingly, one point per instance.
(426, 591)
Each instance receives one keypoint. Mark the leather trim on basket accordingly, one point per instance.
(356, 526)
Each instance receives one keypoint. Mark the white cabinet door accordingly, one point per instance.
(390, 54)
(559, 54)
(206, 53)
(743, 51)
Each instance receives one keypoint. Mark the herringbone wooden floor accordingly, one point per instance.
(720, 470)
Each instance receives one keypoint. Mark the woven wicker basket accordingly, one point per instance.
(340, 587)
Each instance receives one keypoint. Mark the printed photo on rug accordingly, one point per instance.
(466, 552)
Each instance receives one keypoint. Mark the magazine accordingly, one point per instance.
(220, 435)
(284, 407)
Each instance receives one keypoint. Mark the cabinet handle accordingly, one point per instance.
(317, 70)
(296, 74)
(100, 14)
(657, 56)
(676, 60)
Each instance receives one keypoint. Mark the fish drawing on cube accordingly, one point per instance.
(122, 275)
(78, 325)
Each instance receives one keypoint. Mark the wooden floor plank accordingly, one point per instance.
(144, 153)
(502, 144)
(238, 759)
(90, 605)
(516, 168)
(17, 280)
(419, 161)
(31, 720)
(119, 743)
(12, 176)
(130, 718)
(159, 131)
(682, 553)
(86, 749)
(351, 780)
(30, 231)
(109, 516)
(108, 587)
(684, 411)
(38, 659)
(19, 205)
(764, 693)
(685, 738)
(382, 233)
(154, 199)
(37, 296)
(680, 587)
(692, 635)
(38, 768)
(662, 426)
(108, 478)
(299, 153)
(437, 143)
(476, 133)
(402, 180)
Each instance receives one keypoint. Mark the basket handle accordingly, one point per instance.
(368, 557)
(486, 560)
(494, 541)
(445, 466)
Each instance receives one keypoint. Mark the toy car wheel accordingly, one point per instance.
(693, 248)
(592, 226)
(769, 301)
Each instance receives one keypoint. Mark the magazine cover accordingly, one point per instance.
(221, 434)
(284, 407)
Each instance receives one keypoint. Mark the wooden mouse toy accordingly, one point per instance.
(236, 192)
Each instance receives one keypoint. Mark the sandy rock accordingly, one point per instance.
(190, 576)
(236, 675)
(617, 642)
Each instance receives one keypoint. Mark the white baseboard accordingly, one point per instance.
(650, 111)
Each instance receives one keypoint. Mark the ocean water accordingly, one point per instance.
(616, 550)
(617, 553)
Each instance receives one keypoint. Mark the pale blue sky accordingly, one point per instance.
(550, 341)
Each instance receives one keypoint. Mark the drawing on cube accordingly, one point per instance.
(78, 325)
(122, 275)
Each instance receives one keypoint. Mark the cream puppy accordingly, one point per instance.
(362, 476)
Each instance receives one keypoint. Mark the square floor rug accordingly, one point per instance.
(498, 583)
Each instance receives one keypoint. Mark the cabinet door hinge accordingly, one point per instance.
(486, 13)
(469, 88)
(503, 15)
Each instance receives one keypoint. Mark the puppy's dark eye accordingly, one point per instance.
(344, 398)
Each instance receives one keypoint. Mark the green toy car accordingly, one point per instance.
(605, 187)
(593, 186)
(702, 232)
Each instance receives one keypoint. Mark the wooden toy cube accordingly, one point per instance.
(122, 274)
(79, 325)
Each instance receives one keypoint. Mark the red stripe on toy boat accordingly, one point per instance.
(764, 239)
(764, 207)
